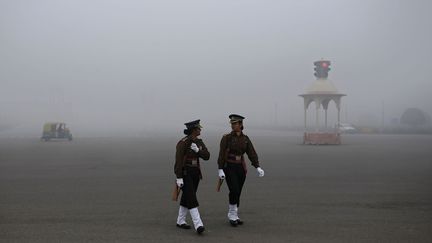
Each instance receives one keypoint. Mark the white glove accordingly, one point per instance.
(221, 174)
(194, 147)
(260, 172)
(179, 182)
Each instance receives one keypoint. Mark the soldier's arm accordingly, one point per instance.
(222, 151)
(251, 153)
(203, 152)
(178, 166)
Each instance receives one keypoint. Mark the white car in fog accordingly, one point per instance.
(345, 128)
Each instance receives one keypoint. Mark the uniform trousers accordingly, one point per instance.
(191, 179)
(235, 176)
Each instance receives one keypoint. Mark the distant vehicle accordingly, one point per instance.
(346, 128)
(56, 130)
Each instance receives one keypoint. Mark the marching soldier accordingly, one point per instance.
(232, 166)
(189, 150)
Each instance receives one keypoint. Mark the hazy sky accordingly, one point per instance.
(147, 63)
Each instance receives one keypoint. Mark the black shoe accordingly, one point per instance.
(233, 223)
(184, 226)
(239, 222)
(200, 230)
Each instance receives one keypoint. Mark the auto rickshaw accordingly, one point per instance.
(56, 130)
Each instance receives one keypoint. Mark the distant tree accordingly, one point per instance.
(415, 117)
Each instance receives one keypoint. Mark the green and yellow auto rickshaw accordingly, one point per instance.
(56, 130)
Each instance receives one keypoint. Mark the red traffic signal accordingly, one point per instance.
(322, 68)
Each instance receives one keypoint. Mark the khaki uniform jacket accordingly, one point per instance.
(183, 152)
(236, 145)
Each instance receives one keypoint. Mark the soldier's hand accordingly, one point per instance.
(260, 172)
(194, 147)
(179, 182)
(221, 174)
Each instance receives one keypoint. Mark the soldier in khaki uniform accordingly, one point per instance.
(232, 166)
(189, 150)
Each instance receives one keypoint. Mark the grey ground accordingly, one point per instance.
(374, 188)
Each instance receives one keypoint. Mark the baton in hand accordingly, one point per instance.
(176, 192)
(219, 184)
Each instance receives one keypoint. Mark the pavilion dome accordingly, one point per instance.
(322, 86)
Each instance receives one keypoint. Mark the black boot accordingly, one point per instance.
(184, 226)
(239, 222)
(200, 230)
(233, 223)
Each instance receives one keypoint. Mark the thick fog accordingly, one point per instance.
(124, 66)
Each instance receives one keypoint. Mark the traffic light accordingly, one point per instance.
(322, 68)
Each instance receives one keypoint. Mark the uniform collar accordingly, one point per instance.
(235, 134)
(191, 138)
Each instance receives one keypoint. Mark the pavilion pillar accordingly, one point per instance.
(325, 119)
(338, 120)
(317, 120)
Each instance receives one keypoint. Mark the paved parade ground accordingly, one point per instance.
(373, 188)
